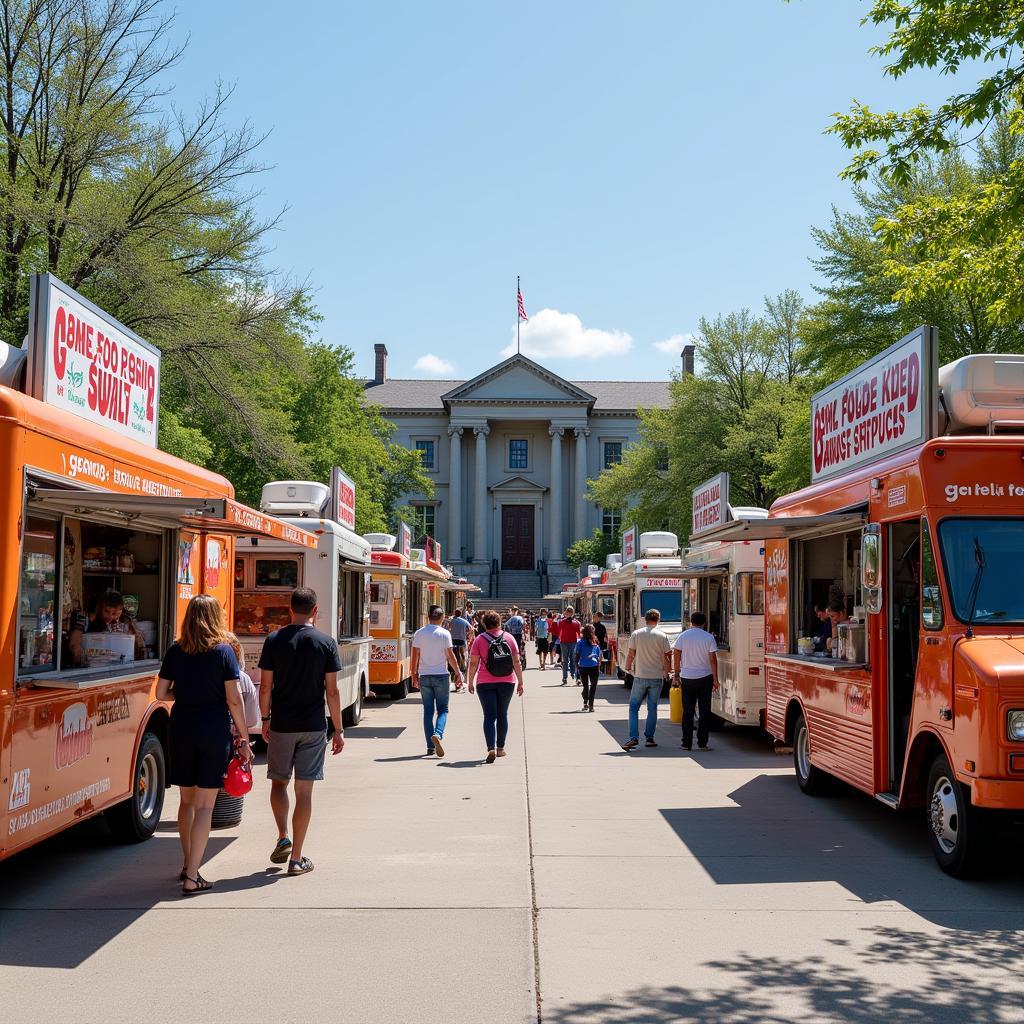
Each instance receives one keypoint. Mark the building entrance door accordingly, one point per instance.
(517, 536)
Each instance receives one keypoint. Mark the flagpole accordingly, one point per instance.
(517, 315)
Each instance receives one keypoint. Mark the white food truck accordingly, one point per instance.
(267, 571)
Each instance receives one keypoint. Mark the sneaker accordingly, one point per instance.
(584, 707)
(702, 749)
(685, 745)
(438, 749)
(590, 707)
(649, 742)
(630, 744)
(501, 752)
(491, 755)
(565, 682)
(300, 867)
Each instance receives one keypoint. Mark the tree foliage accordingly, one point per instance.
(149, 213)
(593, 550)
(971, 242)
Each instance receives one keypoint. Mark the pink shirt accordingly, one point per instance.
(479, 648)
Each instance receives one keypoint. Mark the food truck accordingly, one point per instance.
(912, 530)
(403, 585)
(650, 577)
(266, 571)
(93, 516)
(725, 581)
(598, 594)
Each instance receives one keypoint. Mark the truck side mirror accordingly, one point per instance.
(871, 567)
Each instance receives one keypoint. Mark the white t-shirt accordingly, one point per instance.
(432, 642)
(694, 646)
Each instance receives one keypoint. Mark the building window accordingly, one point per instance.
(612, 453)
(424, 520)
(519, 453)
(611, 523)
(427, 454)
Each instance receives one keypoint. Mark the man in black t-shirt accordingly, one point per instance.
(299, 668)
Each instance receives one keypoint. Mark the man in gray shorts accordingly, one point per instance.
(299, 669)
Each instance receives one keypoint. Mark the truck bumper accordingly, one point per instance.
(998, 794)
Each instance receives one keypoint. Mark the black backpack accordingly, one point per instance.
(499, 656)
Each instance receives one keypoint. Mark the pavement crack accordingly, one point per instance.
(535, 915)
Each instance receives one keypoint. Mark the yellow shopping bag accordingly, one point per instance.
(675, 705)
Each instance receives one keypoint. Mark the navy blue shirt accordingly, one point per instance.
(199, 678)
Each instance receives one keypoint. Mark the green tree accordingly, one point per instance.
(593, 550)
(967, 243)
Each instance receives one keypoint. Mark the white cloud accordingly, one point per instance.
(674, 345)
(550, 334)
(434, 365)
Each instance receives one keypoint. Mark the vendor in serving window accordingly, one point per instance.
(823, 627)
(109, 617)
(836, 614)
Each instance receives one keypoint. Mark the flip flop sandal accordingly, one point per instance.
(201, 886)
(300, 867)
(281, 851)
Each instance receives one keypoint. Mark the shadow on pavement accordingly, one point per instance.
(731, 748)
(963, 973)
(461, 764)
(46, 923)
(407, 757)
(374, 732)
(774, 834)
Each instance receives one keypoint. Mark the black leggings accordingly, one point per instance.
(589, 677)
(495, 699)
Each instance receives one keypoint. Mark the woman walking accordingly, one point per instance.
(494, 670)
(200, 674)
(588, 658)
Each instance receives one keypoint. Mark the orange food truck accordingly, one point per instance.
(912, 531)
(105, 539)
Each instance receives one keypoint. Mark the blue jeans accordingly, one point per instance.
(651, 689)
(434, 690)
(568, 661)
(495, 699)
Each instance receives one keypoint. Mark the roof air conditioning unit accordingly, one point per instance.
(613, 561)
(380, 541)
(301, 498)
(658, 543)
(983, 394)
(12, 366)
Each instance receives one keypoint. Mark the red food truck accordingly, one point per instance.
(912, 535)
(104, 541)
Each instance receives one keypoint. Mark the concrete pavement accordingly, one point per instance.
(654, 886)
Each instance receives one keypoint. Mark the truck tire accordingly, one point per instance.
(401, 691)
(136, 818)
(350, 716)
(958, 831)
(813, 781)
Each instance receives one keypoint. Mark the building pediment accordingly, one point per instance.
(517, 483)
(521, 381)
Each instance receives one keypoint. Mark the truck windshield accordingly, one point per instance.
(1000, 598)
(668, 602)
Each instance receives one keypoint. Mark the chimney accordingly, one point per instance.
(687, 354)
(380, 366)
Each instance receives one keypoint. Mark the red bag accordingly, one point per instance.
(238, 777)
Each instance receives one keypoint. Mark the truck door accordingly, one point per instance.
(903, 549)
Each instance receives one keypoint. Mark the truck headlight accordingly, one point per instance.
(1015, 725)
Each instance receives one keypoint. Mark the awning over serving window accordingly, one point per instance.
(787, 527)
(416, 573)
(218, 515)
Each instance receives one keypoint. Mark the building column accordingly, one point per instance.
(480, 522)
(580, 517)
(556, 549)
(455, 495)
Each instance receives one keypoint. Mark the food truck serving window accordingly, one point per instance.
(277, 572)
(668, 602)
(93, 594)
(984, 560)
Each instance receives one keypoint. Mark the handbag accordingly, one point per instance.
(675, 704)
(238, 777)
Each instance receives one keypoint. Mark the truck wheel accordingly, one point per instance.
(401, 691)
(350, 716)
(137, 817)
(813, 781)
(958, 830)
(716, 723)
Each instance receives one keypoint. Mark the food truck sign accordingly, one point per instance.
(630, 542)
(83, 361)
(343, 498)
(710, 504)
(406, 532)
(886, 405)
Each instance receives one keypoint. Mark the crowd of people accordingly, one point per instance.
(215, 706)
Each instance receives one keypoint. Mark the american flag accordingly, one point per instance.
(522, 306)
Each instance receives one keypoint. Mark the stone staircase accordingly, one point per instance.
(521, 587)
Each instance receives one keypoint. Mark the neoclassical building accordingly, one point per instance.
(510, 452)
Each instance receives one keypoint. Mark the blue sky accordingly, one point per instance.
(640, 165)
